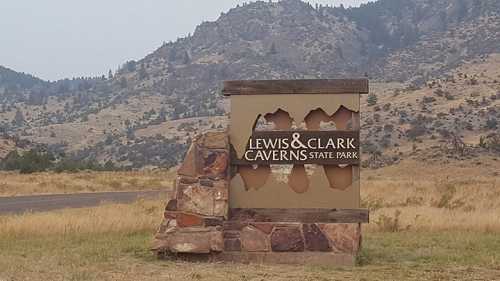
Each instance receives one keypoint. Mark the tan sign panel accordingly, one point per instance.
(282, 155)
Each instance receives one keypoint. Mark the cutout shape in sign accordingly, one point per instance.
(298, 179)
(254, 177)
(318, 119)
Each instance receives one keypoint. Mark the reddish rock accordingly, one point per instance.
(171, 205)
(188, 220)
(164, 226)
(206, 182)
(170, 215)
(172, 224)
(192, 243)
(264, 227)
(187, 180)
(231, 234)
(191, 240)
(215, 140)
(160, 245)
(315, 239)
(215, 164)
(221, 208)
(189, 167)
(221, 196)
(232, 245)
(213, 221)
(221, 190)
(195, 199)
(344, 238)
(196, 240)
(234, 225)
(253, 240)
(345, 244)
(287, 239)
(166, 229)
(216, 241)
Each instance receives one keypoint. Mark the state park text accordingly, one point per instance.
(302, 147)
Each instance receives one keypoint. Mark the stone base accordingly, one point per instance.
(329, 244)
(287, 237)
(301, 258)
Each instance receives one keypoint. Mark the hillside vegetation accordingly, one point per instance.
(433, 67)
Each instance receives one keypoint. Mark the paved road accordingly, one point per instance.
(38, 203)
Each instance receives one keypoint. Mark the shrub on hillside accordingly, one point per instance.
(491, 124)
(491, 142)
(37, 160)
(372, 99)
(29, 162)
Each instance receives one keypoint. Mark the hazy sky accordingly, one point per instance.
(56, 39)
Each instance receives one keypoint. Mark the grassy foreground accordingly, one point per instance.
(111, 242)
(124, 256)
(426, 223)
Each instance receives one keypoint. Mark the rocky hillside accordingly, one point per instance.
(454, 116)
(420, 55)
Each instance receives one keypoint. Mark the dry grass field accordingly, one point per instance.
(13, 184)
(462, 195)
(427, 223)
(102, 243)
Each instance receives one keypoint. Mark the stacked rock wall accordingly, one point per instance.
(195, 214)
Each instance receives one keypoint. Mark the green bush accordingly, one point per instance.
(37, 160)
(372, 99)
(30, 162)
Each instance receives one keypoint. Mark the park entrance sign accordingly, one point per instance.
(281, 185)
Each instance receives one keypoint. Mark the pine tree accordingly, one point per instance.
(123, 82)
(110, 74)
(372, 99)
(273, 50)
(491, 124)
(18, 118)
(187, 58)
(163, 114)
(109, 166)
(142, 72)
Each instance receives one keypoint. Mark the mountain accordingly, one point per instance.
(15, 81)
(14, 84)
(428, 60)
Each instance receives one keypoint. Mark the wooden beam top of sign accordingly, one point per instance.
(310, 86)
